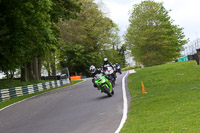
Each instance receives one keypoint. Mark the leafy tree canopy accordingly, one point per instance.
(151, 35)
(88, 38)
(28, 30)
(25, 31)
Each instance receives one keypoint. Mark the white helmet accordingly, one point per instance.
(105, 60)
(92, 69)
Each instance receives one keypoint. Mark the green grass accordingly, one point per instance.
(14, 100)
(172, 102)
(5, 84)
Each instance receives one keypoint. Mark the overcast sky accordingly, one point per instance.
(185, 13)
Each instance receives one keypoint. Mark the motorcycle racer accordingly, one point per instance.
(93, 72)
(105, 66)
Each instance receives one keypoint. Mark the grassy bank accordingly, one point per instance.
(171, 104)
(14, 100)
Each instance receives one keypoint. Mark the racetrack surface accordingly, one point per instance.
(80, 108)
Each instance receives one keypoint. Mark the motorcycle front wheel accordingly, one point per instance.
(107, 91)
(112, 92)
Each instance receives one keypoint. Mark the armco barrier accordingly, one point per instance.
(6, 94)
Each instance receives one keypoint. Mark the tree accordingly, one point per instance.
(151, 35)
(87, 39)
(64, 9)
(61, 10)
(28, 31)
(27, 34)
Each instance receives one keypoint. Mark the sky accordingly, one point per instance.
(185, 13)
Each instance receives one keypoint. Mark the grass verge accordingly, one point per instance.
(130, 67)
(14, 100)
(171, 104)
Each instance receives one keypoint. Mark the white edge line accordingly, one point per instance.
(37, 95)
(125, 105)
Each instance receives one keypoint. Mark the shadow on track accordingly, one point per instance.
(103, 97)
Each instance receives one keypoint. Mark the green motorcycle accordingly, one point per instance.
(103, 84)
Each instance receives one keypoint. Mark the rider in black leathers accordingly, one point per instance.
(106, 64)
(93, 72)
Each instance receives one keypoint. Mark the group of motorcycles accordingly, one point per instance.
(105, 81)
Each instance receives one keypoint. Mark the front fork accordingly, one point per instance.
(109, 85)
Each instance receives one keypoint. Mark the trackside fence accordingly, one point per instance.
(6, 94)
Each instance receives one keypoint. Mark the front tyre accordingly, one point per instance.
(112, 92)
(107, 91)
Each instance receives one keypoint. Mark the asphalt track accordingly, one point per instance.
(79, 108)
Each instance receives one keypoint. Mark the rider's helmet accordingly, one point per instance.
(116, 64)
(105, 60)
(92, 69)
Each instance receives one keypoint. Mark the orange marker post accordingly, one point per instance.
(142, 88)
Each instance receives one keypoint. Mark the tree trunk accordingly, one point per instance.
(48, 69)
(24, 73)
(53, 64)
(39, 67)
(30, 71)
(35, 68)
(12, 72)
(7, 75)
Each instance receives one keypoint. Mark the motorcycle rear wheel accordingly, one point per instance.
(113, 83)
